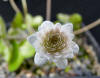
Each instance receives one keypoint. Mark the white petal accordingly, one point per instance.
(68, 30)
(39, 59)
(61, 63)
(70, 55)
(32, 38)
(70, 36)
(58, 25)
(67, 27)
(75, 47)
(46, 25)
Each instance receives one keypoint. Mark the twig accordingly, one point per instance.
(88, 27)
(14, 6)
(25, 9)
(48, 10)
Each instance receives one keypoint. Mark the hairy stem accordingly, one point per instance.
(48, 10)
(87, 27)
(14, 6)
(24, 4)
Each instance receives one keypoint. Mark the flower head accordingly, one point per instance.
(53, 43)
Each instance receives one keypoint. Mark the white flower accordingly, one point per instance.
(54, 43)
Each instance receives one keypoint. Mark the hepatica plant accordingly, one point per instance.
(50, 42)
(54, 43)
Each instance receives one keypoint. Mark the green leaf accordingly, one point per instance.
(16, 32)
(2, 46)
(28, 22)
(67, 69)
(76, 26)
(7, 54)
(2, 28)
(56, 21)
(63, 18)
(37, 20)
(13, 31)
(5, 50)
(76, 19)
(13, 66)
(24, 26)
(28, 19)
(17, 21)
(27, 50)
(16, 59)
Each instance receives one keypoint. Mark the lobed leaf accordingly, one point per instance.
(16, 59)
(2, 28)
(27, 50)
(17, 21)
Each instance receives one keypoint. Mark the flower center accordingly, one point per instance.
(54, 41)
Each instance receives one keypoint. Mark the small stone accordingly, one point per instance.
(29, 75)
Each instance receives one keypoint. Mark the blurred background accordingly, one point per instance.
(89, 9)
(17, 55)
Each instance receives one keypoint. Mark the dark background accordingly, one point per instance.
(89, 9)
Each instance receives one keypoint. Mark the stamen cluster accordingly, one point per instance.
(54, 41)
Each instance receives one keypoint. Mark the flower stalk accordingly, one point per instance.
(14, 6)
(87, 27)
(48, 10)
(25, 9)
